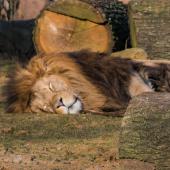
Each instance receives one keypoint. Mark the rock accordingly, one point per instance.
(145, 131)
(132, 53)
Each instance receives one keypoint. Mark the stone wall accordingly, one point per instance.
(150, 26)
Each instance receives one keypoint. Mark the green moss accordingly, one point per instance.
(78, 10)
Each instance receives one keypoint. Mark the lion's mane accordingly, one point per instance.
(99, 78)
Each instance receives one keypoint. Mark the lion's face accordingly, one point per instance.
(53, 94)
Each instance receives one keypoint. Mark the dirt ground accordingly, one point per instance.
(58, 142)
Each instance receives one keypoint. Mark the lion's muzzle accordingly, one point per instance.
(71, 105)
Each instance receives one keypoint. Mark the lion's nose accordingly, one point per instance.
(75, 100)
(60, 103)
(69, 102)
(70, 105)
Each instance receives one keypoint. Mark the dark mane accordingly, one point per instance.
(111, 76)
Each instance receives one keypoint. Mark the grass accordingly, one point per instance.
(60, 139)
(19, 129)
(49, 126)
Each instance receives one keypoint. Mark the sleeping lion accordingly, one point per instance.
(71, 83)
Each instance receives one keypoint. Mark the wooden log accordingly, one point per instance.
(146, 130)
(149, 25)
(117, 17)
(132, 53)
(70, 26)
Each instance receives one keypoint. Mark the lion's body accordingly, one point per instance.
(82, 80)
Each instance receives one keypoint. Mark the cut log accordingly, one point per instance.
(149, 26)
(146, 130)
(116, 14)
(70, 26)
(77, 9)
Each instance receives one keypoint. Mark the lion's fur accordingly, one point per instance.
(104, 83)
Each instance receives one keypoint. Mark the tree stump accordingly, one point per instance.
(70, 26)
(146, 130)
(149, 25)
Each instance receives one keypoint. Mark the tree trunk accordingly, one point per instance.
(146, 130)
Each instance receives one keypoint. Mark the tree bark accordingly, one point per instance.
(146, 130)
(149, 26)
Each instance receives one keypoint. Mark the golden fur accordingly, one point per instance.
(69, 83)
(65, 68)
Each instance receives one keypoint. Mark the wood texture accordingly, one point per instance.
(132, 53)
(146, 130)
(74, 26)
(77, 9)
(149, 24)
